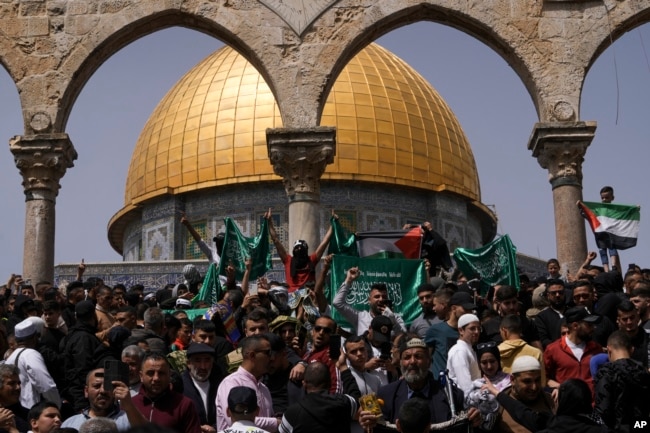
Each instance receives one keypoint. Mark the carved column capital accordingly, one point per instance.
(42, 161)
(300, 156)
(560, 148)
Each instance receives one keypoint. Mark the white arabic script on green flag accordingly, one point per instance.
(495, 263)
(237, 248)
(401, 276)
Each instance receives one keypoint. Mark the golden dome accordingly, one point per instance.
(210, 130)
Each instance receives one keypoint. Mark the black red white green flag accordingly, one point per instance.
(614, 225)
(391, 244)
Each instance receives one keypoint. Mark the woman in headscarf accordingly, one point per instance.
(489, 361)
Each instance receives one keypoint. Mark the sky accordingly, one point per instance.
(490, 101)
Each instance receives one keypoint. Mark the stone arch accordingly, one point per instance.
(112, 40)
(358, 31)
(481, 28)
(604, 40)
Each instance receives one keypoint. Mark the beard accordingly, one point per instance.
(414, 375)
(199, 376)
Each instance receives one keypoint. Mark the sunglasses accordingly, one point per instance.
(486, 345)
(267, 352)
(324, 329)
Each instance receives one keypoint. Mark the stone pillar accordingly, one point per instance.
(300, 156)
(560, 148)
(42, 161)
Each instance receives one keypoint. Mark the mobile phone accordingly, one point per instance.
(115, 370)
(385, 351)
(302, 336)
(252, 288)
(335, 346)
(389, 304)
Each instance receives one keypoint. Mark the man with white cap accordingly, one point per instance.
(35, 379)
(526, 389)
(461, 360)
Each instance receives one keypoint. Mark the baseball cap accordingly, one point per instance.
(381, 327)
(463, 299)
(580, 314)
(242, 400)
(84, 309)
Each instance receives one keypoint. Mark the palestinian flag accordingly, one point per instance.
(393, 244)
(615, 225)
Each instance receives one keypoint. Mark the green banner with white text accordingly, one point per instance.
(401, 276)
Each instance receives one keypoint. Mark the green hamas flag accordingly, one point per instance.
(237, 248)
(342, 242)
(402, 277)
(495, 263)
(211, 287)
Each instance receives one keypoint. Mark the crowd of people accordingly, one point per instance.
(562, 353)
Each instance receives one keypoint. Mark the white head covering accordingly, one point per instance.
(466, 319)
(525, 363)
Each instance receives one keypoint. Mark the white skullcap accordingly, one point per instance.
(466, 319)
(24, 329)
(525, 363)
(38, 323)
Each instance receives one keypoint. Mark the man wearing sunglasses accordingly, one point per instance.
(548, 320)
(584, 295)
(321, 333)
(257, 357)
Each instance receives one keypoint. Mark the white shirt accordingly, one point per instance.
(360, 320)
(210, 252)
(366, 382)
(463, 365)
(577, 349)
(243, 427)
(35, 380)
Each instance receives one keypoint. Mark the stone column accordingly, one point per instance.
(560, 148)
(42, 161)
(300, 156)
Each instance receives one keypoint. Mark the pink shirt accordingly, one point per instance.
(242, 377)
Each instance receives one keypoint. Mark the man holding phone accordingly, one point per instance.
(103, 403)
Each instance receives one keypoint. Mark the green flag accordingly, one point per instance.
(495, 263)
(401, 276)
(210, 289)
(237, 247)
(342, 242)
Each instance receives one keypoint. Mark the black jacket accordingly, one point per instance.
(190, 391)
(621, 392)
(396, 393)
(78, 348)
(321, 412)
(548, 323)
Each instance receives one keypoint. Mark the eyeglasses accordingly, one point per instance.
(486, 345)
(267, 352)
(324, 329)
